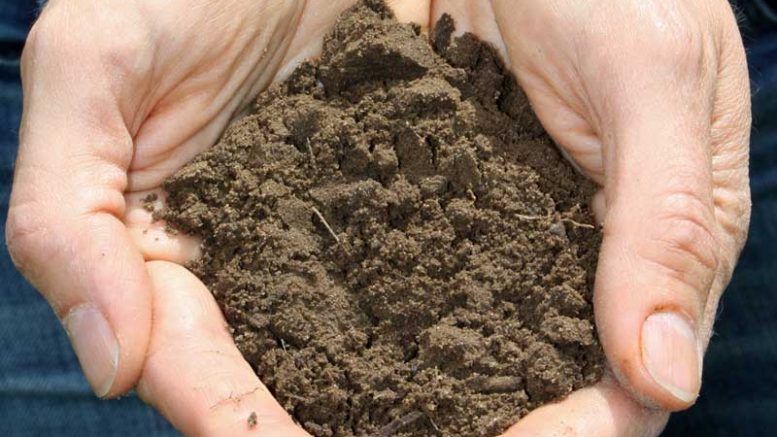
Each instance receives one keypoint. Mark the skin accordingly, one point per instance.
(650, 98)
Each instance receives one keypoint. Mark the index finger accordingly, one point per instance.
(194, 375)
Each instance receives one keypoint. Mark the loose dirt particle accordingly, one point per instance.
(149, 202)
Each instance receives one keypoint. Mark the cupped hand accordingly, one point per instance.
(650, 98)
(117, 97)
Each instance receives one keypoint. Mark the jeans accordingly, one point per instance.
(42, 391)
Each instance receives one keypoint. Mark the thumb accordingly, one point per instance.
(64, 230)
(660, 254)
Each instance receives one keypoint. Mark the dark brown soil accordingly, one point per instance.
(396, 243)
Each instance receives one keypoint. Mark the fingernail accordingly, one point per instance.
(95, 345)
(670, 352)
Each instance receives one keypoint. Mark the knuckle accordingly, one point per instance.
(59, 36)
(733, 209)
(51, 36)
(682, 49)
(679, 42)
(683, 242)
(127, 57)
(21, 233)
(666, 36)
(38, 41)
(732, 116)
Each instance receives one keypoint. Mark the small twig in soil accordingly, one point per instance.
(565, 220)
(380, 396)
(310, 152)
(434, 425)
(531, 217)
(296, 397)
(578, 224)
(326, 225)
(399, 423)
(573, 211)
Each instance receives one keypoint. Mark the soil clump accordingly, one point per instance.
(396, 243)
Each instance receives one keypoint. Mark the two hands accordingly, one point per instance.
(649, 97)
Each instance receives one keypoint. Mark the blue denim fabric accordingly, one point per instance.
(12, 24)
(42, 391)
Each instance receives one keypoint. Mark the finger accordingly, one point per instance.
(599, 206)
(64, 231)
(412, 11)
(194, 374)
(155, 240)
(603, 410)
(317, 19)
(472, 17)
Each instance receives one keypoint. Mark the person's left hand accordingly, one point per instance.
(117, 97)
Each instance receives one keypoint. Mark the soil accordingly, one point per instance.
(397, 245)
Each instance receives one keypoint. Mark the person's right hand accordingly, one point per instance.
(117, 97)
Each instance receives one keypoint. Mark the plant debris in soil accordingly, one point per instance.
(397, 245)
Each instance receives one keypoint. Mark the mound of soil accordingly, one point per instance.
(396, 244)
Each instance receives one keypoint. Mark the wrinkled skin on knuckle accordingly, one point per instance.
(75, 40)
(48, 38)
(15, 233)
(27, 238)
(733, 205)
(127, 62)
(650, 47)
(40, 41)
(683, 244)
(730, 137)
